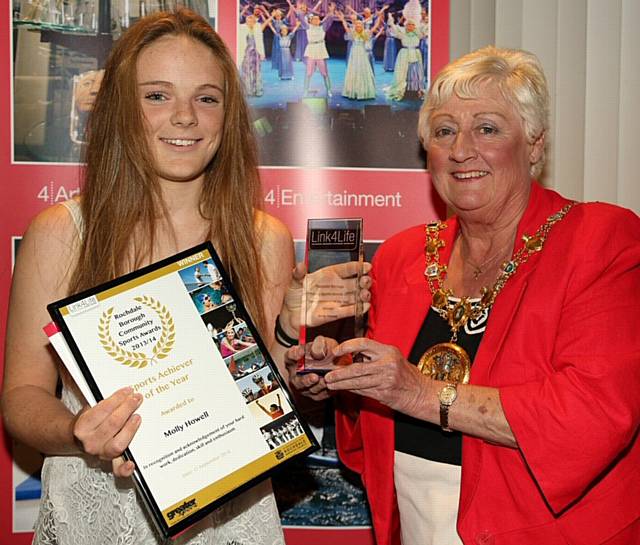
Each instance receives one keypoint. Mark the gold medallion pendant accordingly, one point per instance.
(446, 361)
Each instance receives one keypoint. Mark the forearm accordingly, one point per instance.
(280, 342)
(278, 353)
(24, 409)
(386, 376)
(327, 22)
(477, 411)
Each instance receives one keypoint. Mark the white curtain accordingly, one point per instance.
(590, 50)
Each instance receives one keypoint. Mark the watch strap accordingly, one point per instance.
(444, 417)
(447, 396)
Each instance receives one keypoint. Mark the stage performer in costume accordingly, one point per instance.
(285, 64)
(390, 49)
(359, 81)
(502, 341)
(369, 45)
(251, 51)
(276, 24)
(302, 13)
(408, 73)
(316, 53)
(171, 161)
(424, 43)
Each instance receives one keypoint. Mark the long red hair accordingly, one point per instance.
(121, 200)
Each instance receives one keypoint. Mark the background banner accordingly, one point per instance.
(324, 154)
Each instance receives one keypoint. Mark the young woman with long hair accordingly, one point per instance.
(170, 162)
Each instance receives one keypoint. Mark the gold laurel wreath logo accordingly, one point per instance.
(139, 359)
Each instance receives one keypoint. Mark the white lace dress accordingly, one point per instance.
(83, 504)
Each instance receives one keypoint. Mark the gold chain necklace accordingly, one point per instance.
(449, 361)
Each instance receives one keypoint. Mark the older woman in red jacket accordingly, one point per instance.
(498, 402)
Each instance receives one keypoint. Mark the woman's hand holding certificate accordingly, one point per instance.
(106, 429)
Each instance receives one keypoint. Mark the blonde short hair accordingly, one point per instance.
(519, 76)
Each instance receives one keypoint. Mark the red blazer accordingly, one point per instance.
(563, 346)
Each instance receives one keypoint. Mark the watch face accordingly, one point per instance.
(448, 394)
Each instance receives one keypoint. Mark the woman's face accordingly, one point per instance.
(181, 93)
(479, 155)
(359, 26)
(229, 333)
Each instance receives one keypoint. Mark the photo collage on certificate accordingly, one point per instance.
(245, 362)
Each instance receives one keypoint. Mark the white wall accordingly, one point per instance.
(590, 50)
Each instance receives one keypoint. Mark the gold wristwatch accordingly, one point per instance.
(447, 396)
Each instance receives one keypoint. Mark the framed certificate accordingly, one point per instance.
(217, 416)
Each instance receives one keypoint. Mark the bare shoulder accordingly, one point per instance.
(48, 249)
(45, 259)
(53, 225)
(276, 249)
(276, 244)
(272, 232)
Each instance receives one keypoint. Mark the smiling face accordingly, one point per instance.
(479, 155)
(181, 93)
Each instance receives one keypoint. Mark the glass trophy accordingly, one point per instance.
(334, 259)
